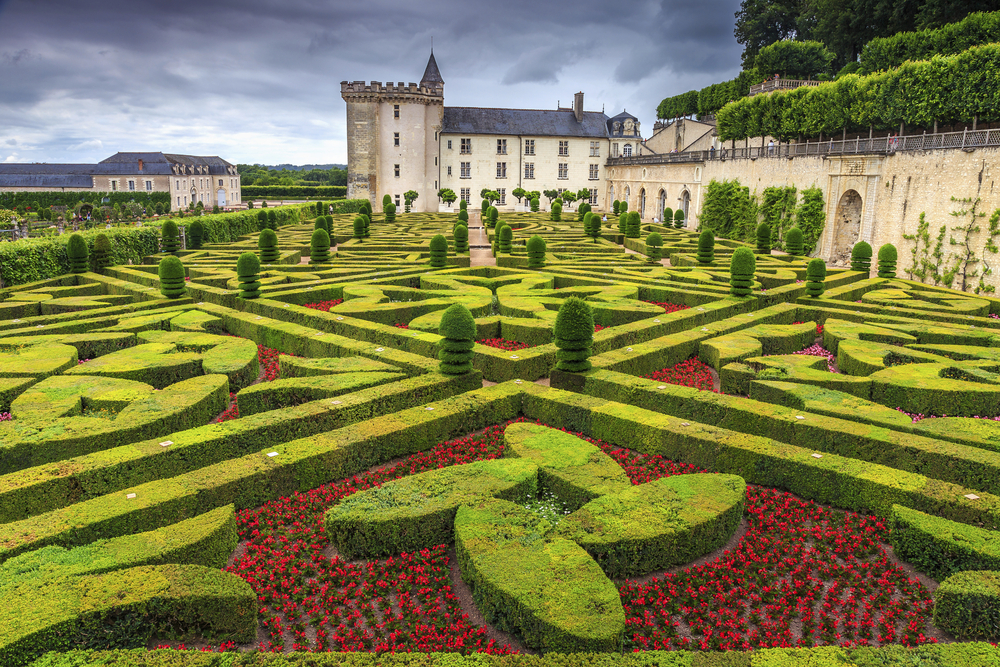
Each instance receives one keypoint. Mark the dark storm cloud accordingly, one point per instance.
(259, 81)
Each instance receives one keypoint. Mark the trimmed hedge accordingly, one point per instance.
(294, 192)
(861, 257)
(939, 547)
(287, 392)
(967, 605)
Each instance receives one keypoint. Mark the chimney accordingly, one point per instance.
(140, 165)
(578, 107)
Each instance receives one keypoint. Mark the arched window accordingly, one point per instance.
(627, 150)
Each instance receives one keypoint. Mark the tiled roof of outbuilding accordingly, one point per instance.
(526, 122)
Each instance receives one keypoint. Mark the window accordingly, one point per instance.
(395, 111)
(466, 146)
(466, 170)
(529, 146)
(178, 200)
(503, 196)
(435, 136)
(449, 170)
(185, 200)
(397, 201)
(593, 196)
(435, 161)
(395, 138)
(529, 169)
(563, 148)
(177, 185)
(465, 195)
(449, 144)
(220, 182)
(627, 151)
(131, 186)
(114, 186)
(595, 149)
(396, 169)
(149, 186)
(593, 172)
(563, 170)
(501, 170)
(501, 146)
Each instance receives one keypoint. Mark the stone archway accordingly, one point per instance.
(847, 227)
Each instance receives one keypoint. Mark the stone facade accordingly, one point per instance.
(683, 134)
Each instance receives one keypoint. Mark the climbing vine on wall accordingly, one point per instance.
(810, 217)
(776, 210)
(926, 263)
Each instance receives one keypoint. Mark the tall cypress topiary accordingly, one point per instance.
(556, 213)
(793, 241)
(622, 222)
(368, 224)
(272, 219)
(463, 205)
(706, 247)
(76, 249)
(506, 235)
(887, 261)
(319, 247)
(196, 234)
(536, 252)
(366, 208)
(267, 242)
(616, 207)
(815, 275)
(668, 216)
(439, 251)
(764, 238)
(493, 214)
(262, 219)
(170, 238)
(623, 207)
(861, 257)
(102, 252)
(248, 275)
(390, 212)
(582, 210)
(654, 248)
(742, 268)
(328, 219)
(678, 218)
(574, 334)
(458, 337)
(463, 215)
(320, 208)
(484, 205)
(461, 234)
(632, 226)
(386, 200)
(535, 205)
(171, 274)
(359, 227)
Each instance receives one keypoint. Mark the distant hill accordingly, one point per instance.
(303, 167)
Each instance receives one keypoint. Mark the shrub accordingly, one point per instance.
(616, 207)
(534, 205)
(556, 213)
(78, 254)
(319, 247)
(887, 261)
(742, 267)
(668, 216)
(359, 227)
(170, 239)
(249, 205)
(574, 333)
(159, 208)
(706, 247)
(764, 238)
(506, 235)
(588, 225)
(320, 210)
(368, 223)
(439, 251)
(272, 219)
(320, 223)
(461, 234)
(632, 226)
(102, 252)
(171, 273)
(654, 245)
(328, 219)
(793, 241)
(463, 215)
(458, 331)
(536, 252)
(815, 275)
(678, 218)
(196, 234)
(248, 275)
(623, 207)
(386, 201)
(861, 257)
(493, 215)
(582, 210)
(484, 205)
(463, 205)
(267, 242)
(262, 219)
(390, 212)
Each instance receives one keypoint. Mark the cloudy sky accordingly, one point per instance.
(259, 81)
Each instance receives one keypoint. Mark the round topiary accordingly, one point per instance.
(582, 210)
(458, 331)
(171, 273)
(439, 251)
(556, 213)
(815, 275)
(493, 214)
(328, 219)
(170, 239)
(887, 261)
(861, 257)
(678, 218)
(76, 249)
(654, 248)
(616, 207)
(320, 223)
(632, 225)
(793, 241)
(706, 247)
(390, 212)
(359, 227)
(624, 206)
(248, 275)
(536, 252)
(742, 268)
(574, 333)
(102, 252)
(319, 247)
(368, 224)
(267, 242)
(463, 215)
(668, 216)
(463, 205)
(386, 200)
(196, 234)
(535, 205)
(764, 238)
(506, 235)
(272, 219)
(461, 234)
(262, 219)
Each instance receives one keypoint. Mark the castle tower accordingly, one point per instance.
(392, 138)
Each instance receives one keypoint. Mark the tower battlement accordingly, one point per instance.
(376, 89)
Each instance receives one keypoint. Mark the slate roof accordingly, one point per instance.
(46, 181)
(431, 73)
(620, 118)
(80, 175)
(527, 122)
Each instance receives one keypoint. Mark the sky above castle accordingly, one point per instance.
(259, 81)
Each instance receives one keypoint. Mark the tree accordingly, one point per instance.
(678, 218)
(464, 205)
(763, 22)
(171, 274)
(795, 60)
(569, 196)
(409, 197)
(386, 200)
(492, 214)
(447, 195)
(458, 337)
(616, 207)
(668, 216)
(764, 238)
(574, 334)
(654, 248)
(793, 242)
(248, 275)
(550, 194)
(489, 195)
(583, 195)
(582, 210)
(632, 225)
(519, 193)
(78, 254)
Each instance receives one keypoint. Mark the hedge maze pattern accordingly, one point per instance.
(309, 429)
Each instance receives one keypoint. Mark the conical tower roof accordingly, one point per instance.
(432, 75)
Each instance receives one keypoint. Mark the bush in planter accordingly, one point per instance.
(319, 247)
(706, 247)
(654, 248)
(461, 234)
(267, 242)
(458, 331)
(742, 268)
(632, 225)
(678, 219)
(102, 252)
(764, 238)
(359, 227)
(76, 248)
(439, 251)
(506, 235)
(861, 257)
(793, 242)
(196, 234)
(556, 213)
(815, 275)
(272, 219)
(390, 212)
(574, 334)
(536, 252)
(887, 261)
(248, 275)
(171, 273)
(534, 205)
(262, 219)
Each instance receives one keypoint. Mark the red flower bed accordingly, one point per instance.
(601, 327)
(325, 306)
(669, 307)
(689, 373)
(268, 359)
(401, 326)
(819, 328)
(503, 344)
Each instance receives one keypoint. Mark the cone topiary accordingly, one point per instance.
(248, 275)
(622, 223)
(458, 331)
(461, 234)
(536, 252)
(102, 252)
(439, 251)
(632, 225)
(368, 224)
(171, 273)
(386, 200)
(556, 213)
(267, 242)
(366, 208)
(706, 247)
(668, 216)
(170, 239)
(654, 248)
(764, 238)
(815, 275)
(582, 210)
(861, 257)
(272, 219)
(463, 205)
(678, 218)
(390, 212)
(78, 254)
(196, 234)
(463, 215)
(574, 334)
(506, 235)
(793, 241)
(262, 219)
(616, 207)
(329, 226)
(492, 214)
(742, 268)
(887, 261)
(319, 247)
(359, 227)
(535, 205)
